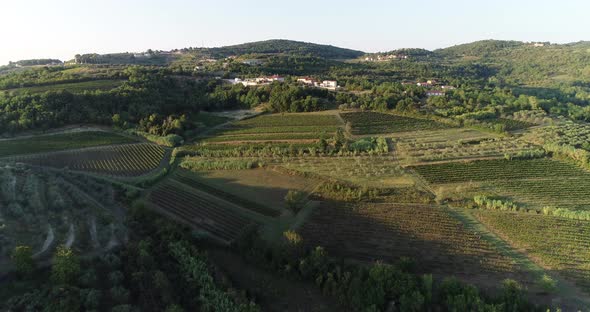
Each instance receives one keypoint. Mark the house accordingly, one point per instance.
(329, 84)
(276, 78)
(253, 62)
(448, 87)
(435, 93)
(308, 81)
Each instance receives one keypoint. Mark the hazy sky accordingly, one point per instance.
(62, 28)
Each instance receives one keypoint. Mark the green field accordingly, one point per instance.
(376, 123)
(73, 87)
(377, 171)
(58, 142)
(262, 186)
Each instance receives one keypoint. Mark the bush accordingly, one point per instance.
(547, 283)
(170, 140)
(295, 200)
(196, 163)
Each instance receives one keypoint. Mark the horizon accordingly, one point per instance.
(136, 26)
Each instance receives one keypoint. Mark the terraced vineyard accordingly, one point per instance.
(57, 142)
(561, 245)
(486, 170)
(375, 123)
(278, 127)
(118, 160)
(388, 232)
(200, 210)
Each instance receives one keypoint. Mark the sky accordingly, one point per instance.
(62, 28)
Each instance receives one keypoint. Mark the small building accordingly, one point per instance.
(430, 93)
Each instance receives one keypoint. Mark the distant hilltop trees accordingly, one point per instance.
(35, 62)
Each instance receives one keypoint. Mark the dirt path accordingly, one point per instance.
(48, 241)
(71, 236)
(93, 233)
(67, 129)
(113, 242)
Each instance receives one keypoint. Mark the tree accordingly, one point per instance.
(22, 256)
(66, 266)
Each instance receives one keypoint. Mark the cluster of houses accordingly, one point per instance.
(386, 57)
(260, 81)
(326, 84)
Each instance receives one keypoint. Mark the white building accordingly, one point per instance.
(329, 84)
(435, 93)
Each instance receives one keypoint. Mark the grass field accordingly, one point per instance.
(558, 244)
(464, 149)
(57, 142)
(377, 123)
(263, 187)
(375, 171)
(73, 87)
(278, 127)
(126, 160)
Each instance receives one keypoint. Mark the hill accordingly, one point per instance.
(281, 46)
(478, 48)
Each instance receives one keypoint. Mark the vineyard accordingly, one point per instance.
(200, 210)
(558, 244)
(42, 210)
(561, 192)
(491, 170)
(278, 127)
(375, 123)
(126, 160)
(389, 232)
(57, 142)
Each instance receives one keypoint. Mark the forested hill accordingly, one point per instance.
(531, 64)
(479, 48)
(279, 46)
